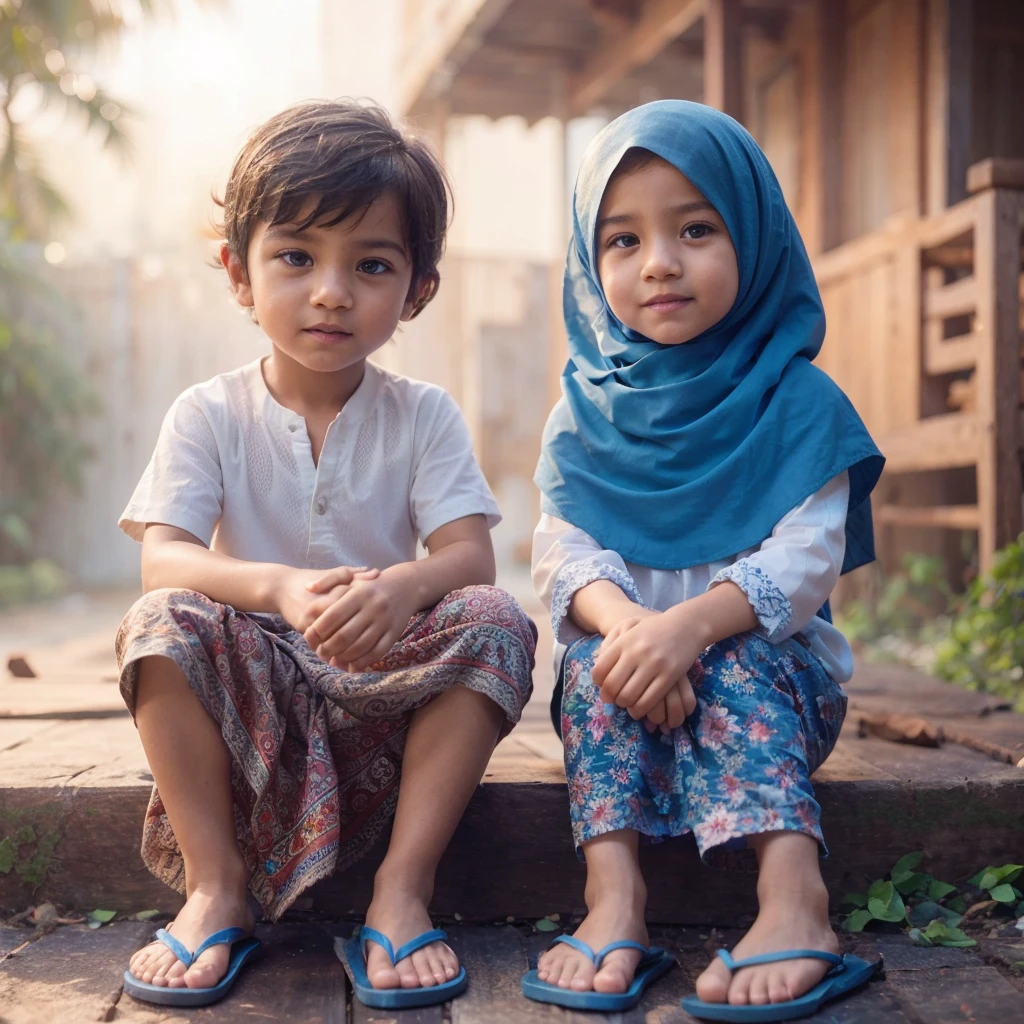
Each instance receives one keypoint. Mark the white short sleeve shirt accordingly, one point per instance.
(235, 469)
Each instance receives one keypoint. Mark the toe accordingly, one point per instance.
(778, 988)
(380, 971)
(408, 976)
(567, 974)
(739, 989)
(449, 962)
(759, 989)
(713, 984)
(424, 969)
(613, 978)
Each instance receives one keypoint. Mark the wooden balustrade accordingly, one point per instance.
(932, 306)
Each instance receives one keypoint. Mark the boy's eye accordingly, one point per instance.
(697, 231)
(296, 258)
(373, 267)
(625, 241)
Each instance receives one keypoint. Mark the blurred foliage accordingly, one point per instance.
(975, 640)
(43, 399)
(985, 646)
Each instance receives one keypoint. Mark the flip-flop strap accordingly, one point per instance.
(434, 935)
(579, 945)
(771, 958)
(621, 944)
(225, 937)
(164, 936)
(367, 934)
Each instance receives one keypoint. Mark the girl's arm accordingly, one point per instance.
(588, 589)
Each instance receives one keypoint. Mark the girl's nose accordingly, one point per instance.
(662, 261)
(331, 290)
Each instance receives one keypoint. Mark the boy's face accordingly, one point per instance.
(666, 261)
(328, 297)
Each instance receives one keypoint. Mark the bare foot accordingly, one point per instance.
(613, 917)
(209, 908)
(400, 912)
(789, 921)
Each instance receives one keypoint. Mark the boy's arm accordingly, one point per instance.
(361, 627)
(172, 557)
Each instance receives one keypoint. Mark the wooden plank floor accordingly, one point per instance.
(75, 975)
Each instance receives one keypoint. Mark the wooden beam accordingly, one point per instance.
(995, 172)
(939, 442)
(438, 43)
(949, 355)
(954, 299)
(659, 24)
(723, 56)
(997, 240)
(949, 517)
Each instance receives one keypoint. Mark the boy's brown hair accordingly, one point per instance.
(343, 154)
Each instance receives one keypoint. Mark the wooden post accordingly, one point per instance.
(997, 239)
(558, 346)
(723, 56)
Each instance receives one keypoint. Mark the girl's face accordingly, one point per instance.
(666, 262)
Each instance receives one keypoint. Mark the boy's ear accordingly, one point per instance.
(237, 276)
(420, 294)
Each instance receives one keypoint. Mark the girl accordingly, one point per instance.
(703, 487)
(296, 675)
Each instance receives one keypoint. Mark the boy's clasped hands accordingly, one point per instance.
(351, 616)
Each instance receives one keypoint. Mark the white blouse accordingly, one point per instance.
(787, 579)
(235, 468)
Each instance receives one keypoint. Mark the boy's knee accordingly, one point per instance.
(492, 606)
(166, 599)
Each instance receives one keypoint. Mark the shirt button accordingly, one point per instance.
(321, 507)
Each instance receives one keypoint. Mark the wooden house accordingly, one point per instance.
(897, 131)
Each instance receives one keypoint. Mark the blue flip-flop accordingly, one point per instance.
(243, 945)
(848, 973)
(353, 953)
(653, 964)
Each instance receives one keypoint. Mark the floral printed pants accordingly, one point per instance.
(767, 716)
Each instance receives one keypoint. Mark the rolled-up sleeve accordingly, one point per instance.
(790, 577)
(565, 560)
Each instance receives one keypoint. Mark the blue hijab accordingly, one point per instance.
(681, 455)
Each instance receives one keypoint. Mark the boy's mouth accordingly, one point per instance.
(328, 332)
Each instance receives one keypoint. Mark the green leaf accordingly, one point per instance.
(103, 916)
(918, 937)
(958, 904)
(937, 890)
(857, 921)
(887, 905)
(925, 913)
(1003, 893)
(879, 890)
(147, 915)
(910, 882)
(906, 864)
(544, 925)
(855, 899)
(976, 880)
(991, 877)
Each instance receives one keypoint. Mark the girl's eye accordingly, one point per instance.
(373, 267)
(623, 242)
(697, 231)
(297, 258)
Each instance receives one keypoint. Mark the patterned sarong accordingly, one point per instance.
(316, 752)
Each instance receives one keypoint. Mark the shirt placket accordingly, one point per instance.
(321, 534)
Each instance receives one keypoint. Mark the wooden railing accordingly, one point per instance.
(924, 335)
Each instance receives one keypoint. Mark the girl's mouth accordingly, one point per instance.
(328, 333)
(667, 303)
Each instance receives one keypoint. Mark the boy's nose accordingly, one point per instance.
(331, 291)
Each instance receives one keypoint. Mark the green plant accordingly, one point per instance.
(43, 402)
(930, 907)
(985, 646)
